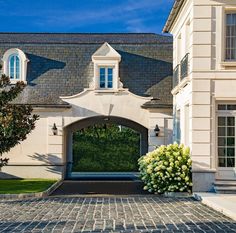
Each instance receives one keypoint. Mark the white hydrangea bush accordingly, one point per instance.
(167, 169)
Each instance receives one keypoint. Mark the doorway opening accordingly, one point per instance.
(102, 147)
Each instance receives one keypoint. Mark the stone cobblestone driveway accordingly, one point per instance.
(111, 214)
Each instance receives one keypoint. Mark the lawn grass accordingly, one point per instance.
(25, 186)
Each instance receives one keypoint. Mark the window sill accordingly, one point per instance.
(228, 63)
(106, 91)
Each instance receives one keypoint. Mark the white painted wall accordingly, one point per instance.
(42, 154)
(210, 78)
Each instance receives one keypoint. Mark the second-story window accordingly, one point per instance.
(14, 67)
(106, 77)
(230, 36)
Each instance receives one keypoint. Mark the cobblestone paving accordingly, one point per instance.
(111, 214)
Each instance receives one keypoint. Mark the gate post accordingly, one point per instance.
(69, 154)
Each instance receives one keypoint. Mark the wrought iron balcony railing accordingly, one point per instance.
(181, 70)
(176, 76)
(184, 67)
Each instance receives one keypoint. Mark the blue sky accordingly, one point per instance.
(83, 15)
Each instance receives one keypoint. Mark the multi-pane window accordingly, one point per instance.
(230, 36)
(106, 77)
(14, 67)
(227, 107)
(186, 125)
(226, 141)
(177, 127)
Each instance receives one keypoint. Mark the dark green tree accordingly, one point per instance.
(16, 121)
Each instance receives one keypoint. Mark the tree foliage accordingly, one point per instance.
(16, 121)
(106, 148)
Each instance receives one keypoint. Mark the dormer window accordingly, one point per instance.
(106, 69)
(106, 77)
(15, 65)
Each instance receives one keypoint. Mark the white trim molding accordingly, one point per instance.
(106, 56)
(89, 103)
(224, 62)
(23, 63)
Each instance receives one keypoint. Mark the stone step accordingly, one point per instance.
(225, 190)
(225, 183)
(225, 186)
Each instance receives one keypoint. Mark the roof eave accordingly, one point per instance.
(155, 106)
(172, 16)
(61, 106)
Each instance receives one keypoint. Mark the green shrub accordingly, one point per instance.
(167, 169)
(106, 148)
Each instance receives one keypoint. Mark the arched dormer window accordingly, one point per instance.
(15, 65)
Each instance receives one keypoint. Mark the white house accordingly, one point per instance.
(77, 80)
(204, 60)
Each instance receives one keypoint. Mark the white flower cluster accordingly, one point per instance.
(167, 169)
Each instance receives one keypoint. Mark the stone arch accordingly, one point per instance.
(83, 123)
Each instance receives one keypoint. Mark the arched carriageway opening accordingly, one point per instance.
(104, 147)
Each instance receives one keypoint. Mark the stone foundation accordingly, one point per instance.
(203, 180)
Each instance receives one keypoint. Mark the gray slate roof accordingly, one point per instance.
(61, 65)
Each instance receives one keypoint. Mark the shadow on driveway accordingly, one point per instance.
(110, 187)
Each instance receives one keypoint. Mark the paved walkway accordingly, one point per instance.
(225, 203)
(111, 214)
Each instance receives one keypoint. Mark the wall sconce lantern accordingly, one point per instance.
(157, 130)
(54, 129)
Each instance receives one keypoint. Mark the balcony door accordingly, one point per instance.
(226, 131)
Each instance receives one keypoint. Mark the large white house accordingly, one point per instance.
(204, 60)
(77, 80)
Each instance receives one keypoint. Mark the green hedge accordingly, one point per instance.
(106, 148)
(167, 169)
